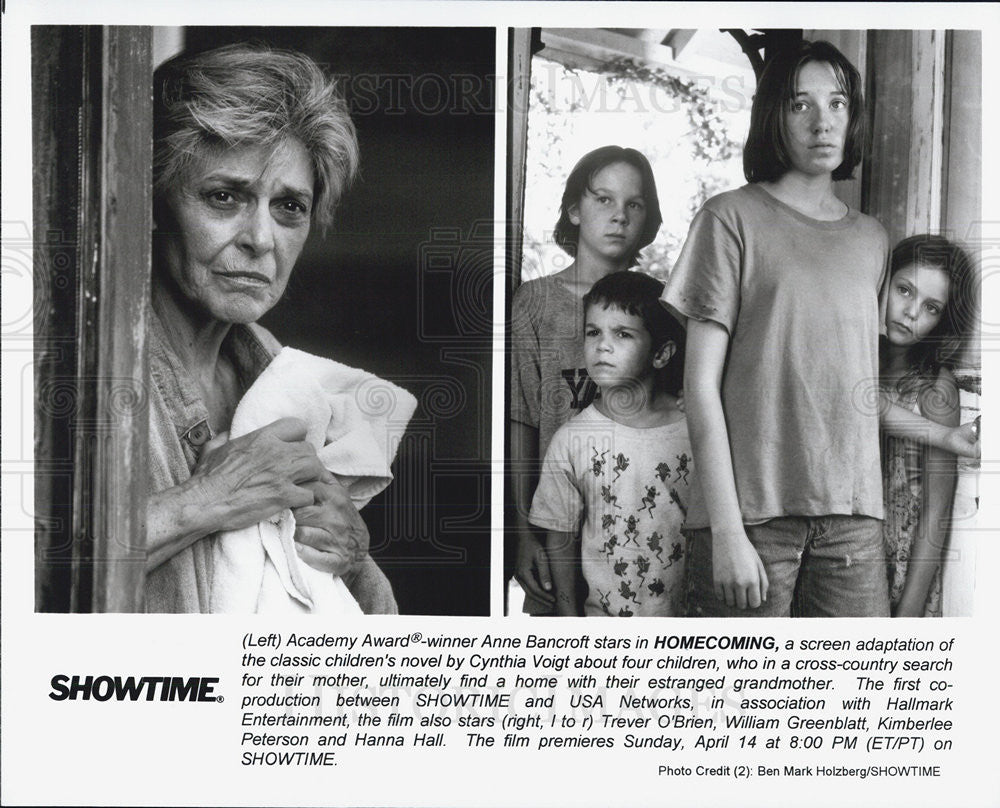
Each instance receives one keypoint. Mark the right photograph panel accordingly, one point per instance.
(743, 301)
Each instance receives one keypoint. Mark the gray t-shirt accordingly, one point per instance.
(800, 300)
(549, 381)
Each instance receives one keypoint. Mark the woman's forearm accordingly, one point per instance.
(175, 519)
(235, 484)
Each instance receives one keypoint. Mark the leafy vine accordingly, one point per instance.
(711, 140)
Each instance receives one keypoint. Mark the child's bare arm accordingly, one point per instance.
(564, 558)
(938, 477)
(960, 440)
(737, 571)
(532, 565)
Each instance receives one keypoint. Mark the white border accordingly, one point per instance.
(59, 756)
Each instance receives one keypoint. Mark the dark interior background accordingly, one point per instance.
(402, 285)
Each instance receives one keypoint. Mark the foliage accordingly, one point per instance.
(709, 134)
(673, 120)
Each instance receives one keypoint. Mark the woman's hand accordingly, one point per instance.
(235, 484)
(259, 474)
(330, 534)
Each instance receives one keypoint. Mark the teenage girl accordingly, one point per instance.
(609, 212)
(930, 310)
(780, 283)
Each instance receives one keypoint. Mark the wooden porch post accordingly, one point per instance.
(93, 169)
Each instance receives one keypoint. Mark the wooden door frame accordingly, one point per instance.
(92, 153)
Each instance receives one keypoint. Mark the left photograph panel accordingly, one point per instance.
(263, 269)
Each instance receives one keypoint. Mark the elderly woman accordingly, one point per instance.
(251, 147)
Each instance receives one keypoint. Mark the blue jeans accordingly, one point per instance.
(832, 566)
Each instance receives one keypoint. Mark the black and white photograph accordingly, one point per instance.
(322, 198)
(797, 434)
(343, 342)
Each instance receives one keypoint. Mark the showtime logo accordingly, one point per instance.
(133, 688)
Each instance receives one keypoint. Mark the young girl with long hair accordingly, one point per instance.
(930, 311)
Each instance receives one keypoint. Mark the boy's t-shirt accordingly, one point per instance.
(625, 491)
(800, 300)
(549, 382)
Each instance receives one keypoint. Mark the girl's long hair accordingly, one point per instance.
(943, 347)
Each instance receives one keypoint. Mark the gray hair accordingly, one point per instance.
(252, 94)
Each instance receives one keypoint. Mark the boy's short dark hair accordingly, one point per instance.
(765, 155)
(566, 233)
(638, 294)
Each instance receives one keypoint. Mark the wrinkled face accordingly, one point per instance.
(617, 347)
(816, 120)
(239, 220)
(611, 214)
(917, 298)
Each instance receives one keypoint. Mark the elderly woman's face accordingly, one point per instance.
(240, 220)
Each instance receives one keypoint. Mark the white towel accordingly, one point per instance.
(355, 420)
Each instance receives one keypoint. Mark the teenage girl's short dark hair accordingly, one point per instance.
(567, 233)
(638, 294)
(945, 344)
(765, 155)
